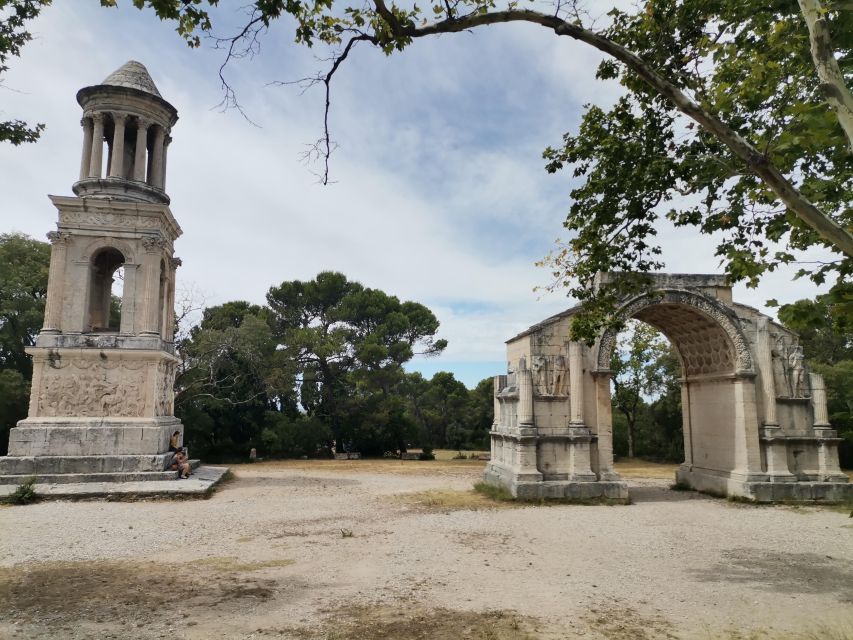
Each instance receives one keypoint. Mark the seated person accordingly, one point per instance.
(174, 441)
(181, 464)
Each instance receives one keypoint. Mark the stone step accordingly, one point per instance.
(41, 465)
(75, 478)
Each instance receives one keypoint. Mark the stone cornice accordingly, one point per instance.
(116, 214)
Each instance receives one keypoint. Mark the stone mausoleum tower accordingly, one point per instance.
(103, 369)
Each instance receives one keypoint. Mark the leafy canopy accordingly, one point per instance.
(14, 34)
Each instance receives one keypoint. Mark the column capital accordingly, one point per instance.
(119, 116)
(58, 237)
(97, 116)
(153, 243)
(86, 122)
(143, 123)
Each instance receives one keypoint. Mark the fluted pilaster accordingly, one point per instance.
(576, 383)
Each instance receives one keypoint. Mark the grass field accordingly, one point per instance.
(444, 463)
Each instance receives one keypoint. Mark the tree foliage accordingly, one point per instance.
(320, 368)
(642, 370)
(15, 16)
(737, 119)
(24, 265)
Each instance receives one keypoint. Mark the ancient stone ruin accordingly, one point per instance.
(755, 419)
(101, 406)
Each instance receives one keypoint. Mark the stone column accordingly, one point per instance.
(499, 382)
(55, 282)
(86, 158)
(765, 369)
(576, 384)
(156, 177)
(151, 301)
(97, 158)
(604, 425)
(166, 144)
(139, 161)
(687, 425)
(169, 304)
(525, 399)
(747, 452)
(117, 154)
(821, 413)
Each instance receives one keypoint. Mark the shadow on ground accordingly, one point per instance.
(641, 493)
(783, 572)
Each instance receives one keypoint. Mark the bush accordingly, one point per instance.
(426, 454)
(25, 493)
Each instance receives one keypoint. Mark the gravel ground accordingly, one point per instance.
(300, 551)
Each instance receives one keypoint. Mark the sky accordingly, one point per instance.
(439, 191)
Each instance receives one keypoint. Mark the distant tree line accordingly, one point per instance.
(320, 367)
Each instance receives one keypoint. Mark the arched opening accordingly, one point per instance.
(646, 396)
(717, 396)
(106, 289)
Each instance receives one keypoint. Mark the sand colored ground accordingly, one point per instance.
(398, 550)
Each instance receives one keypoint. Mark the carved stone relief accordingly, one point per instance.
(550, 375)
(87, 388)
(166, 389)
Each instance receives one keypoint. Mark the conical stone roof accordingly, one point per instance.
(134, 75)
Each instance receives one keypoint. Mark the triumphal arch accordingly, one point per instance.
(754, 418)
(101, 406)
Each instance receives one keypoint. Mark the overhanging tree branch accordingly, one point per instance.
(757, 162)
(831, 78)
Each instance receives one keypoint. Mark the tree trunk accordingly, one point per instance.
(631, 438)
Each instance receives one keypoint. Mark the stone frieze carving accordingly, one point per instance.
(109, 219)
(87, 388)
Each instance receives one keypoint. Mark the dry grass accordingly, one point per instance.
(449, 499)
(635, 468)
(120, 597)
(392, 466)
(230, 563)
(407, 622)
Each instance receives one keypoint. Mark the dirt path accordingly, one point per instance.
(393, 550)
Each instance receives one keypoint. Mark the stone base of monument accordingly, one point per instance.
(122, 485)
(531, 487)
(767, 488)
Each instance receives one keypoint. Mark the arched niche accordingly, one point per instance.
(102, 269)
